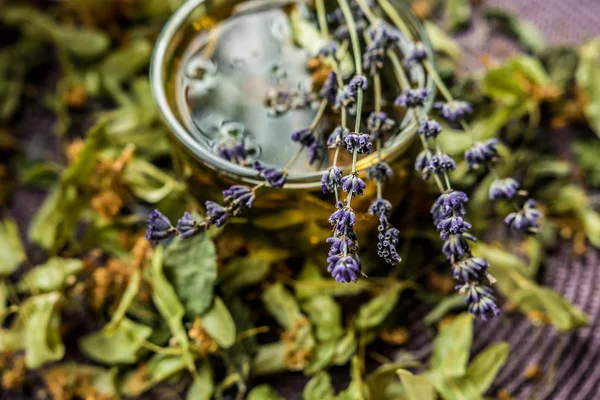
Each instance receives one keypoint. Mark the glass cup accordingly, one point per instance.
(211, 68)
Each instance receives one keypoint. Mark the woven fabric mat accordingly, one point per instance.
(568, 362)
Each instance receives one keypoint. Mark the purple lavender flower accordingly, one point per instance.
(448, 204)
(343, 219)
(358, 81)
(452, 225)
(337, 245)
(454, 110)
(506, 188)
(344, 268)
(411, 98)
(330, 88)
(159, 227)
(360, 142)
(387, 243)
(329, 49)
(383, 36)
(238, 198)
(215, 214)
(380, 208)
(342, 33)
(338, 137)
(481, 153)
(442, 163)
(416, 54)
(233, 151)
(274, 177)
(305, 137)
(316, 151)
(422, 160)
(380, 171)
(352, 183)
(187, 226)
(379, 124)
(331, 180)
(429, 129)
(471, 268)
(479, 299)
(457, 246)
(373, 59)
(525, 220)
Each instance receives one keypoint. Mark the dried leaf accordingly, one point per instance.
(203, 386)
(452, 346)
(219, 324)
(372, 313)
(416, 387)
(264, 392)
(156, 370)
(50, 276)
(483, 369)
(12, 253)
(319, 388)
(242, 272)
(588, 79)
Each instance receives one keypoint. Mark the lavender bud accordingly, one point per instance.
(456, 246)
(337, 245)
(304, 136)
(381, 208)
(330, 88)
(215, 214)
(232, 151)
(344, 269)
(416, 54)
(373, 59)
(352, 183)
(422, 160)
(159, 227)
(331, 180)
(526, 220)
(449, 204)
(238, 198)
(479, 299)
(411, 98)
(338, 137)
(439, 164)
(387, 243)
(379, 124)
(187, 226)
(504, 189)
(454, 110)
(380, 171)
(329, 49)
(360, 142)
(430, 129)
(358, 81)
(316, 151)
(481, 153)
(383, 36)
(274, 177)
(472, 268)
(452, 225)
(343, 219)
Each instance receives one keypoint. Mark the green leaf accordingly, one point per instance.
(416, 387)
(372, 313)
(326, 316)
(51, 276)
(83, 43)
(219, 324)
(12, 253)
(203, 386)
(124, 63)
(264, 392)
(242, 272)
(458, 13)
(131, 291)
(453, 387)
(319, 388)
(102, 381)
(282, 305)
(346, 347)
(524, 31)
(169, 306)
(269, 359)
(382, 380)
(588, 79)
(322, 357)
(587, 153)
(449, 303)
(120, 347)
(483, 369)
(191, 267)
(157, 369)
(452, 345)
(39, 322)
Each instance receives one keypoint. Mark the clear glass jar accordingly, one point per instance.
(258, 34)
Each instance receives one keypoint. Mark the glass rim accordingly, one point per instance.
(295, 180)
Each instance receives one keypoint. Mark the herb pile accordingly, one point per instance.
(91, 309)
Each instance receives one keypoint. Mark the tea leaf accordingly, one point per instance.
(588, 79)
(269, 359)
(12, 253)
(101, 381)
(372, 313)
(483, 369)
(454, 387)
(157, 369)
(264, 392)
(416, 387)
(191, 267)
(524, 31)
(219, 324)
(133, 287)
(452, 345)
(51, 276)
(319, 388)
(242, 272)
(169, 306)
(452, 302)
(346, 347)
(381, 380)
(587, 153)
(322, 357)
(121, 346)
(203, 386)
(282, 305)
(85, 44)
(458, 13)
(124, 63)
(311, 287)
(562, 64)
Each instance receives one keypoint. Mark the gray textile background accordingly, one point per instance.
(569, 363)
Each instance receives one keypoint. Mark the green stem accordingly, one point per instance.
(392, 13)
(321, 15)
